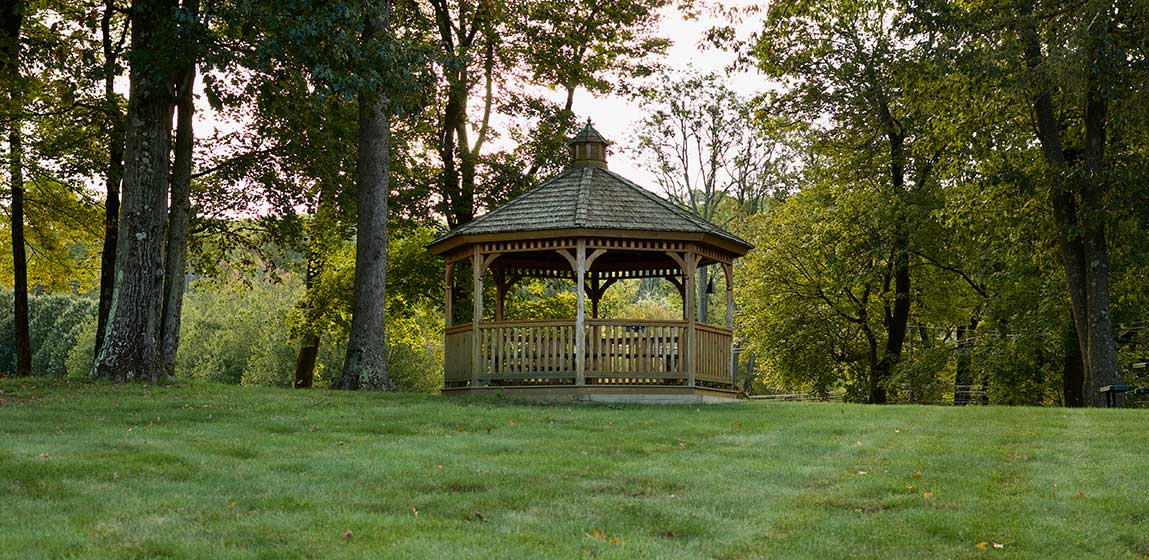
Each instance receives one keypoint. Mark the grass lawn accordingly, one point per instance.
(92, 470)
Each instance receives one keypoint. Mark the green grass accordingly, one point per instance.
(92, 470)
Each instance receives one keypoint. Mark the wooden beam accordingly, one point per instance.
(728, 270)
(690, 265)
(596, 254)
(580, 319)
(477, 318)
(448, 302)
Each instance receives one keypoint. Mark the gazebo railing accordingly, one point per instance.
(618, 352)
(635, 352)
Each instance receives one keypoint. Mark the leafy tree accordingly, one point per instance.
(862, 87)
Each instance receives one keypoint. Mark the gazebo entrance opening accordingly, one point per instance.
(595, 229)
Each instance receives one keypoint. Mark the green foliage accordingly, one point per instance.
(56, 324)
(63, 230)
(226, 326)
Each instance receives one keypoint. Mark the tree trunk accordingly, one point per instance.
(131, 348)
(305, 361)
(114, 121)
(1073, 376)
(1101, 350)
(19, 256)
(179, 214)
(309, 346)
(11, 20)
(365, 365)
(963, 378)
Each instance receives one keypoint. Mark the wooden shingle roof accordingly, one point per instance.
(591, 198)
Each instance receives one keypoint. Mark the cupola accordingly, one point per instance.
(588, 148)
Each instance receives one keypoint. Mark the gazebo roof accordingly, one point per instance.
(591, 198)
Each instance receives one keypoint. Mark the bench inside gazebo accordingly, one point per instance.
(595, 228)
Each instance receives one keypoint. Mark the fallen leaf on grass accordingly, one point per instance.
(347, 534)
(918, 474)
(982, 545)
(927, 494)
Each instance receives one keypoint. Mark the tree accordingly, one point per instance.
(131, 347)
(700, 140)
(1077, 195)
(12, 15)
(179, 212)
(850, 74)
(366, 362)
(111, 46)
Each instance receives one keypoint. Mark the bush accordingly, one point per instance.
(55, 323)
(225, 327)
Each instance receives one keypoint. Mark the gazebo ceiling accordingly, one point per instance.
(589, 200)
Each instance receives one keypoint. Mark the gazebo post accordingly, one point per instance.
(476, 335)
(580, 318)
(689, 305)
(448, 300)
(728, 269)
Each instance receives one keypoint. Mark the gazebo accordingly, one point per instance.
(595, 228)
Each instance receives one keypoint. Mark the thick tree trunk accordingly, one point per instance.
(114, 121)
(179, 216)
(366, 363)
(1101, 350)
(11, 20)
(131, 347)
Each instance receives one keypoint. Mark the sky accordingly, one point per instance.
(615, 116)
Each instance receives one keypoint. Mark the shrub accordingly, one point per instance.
(55, 323)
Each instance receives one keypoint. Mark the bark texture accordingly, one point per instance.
(179, 214)
(11, 21)
(113, 174)
(365, 366)
(131, 347)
